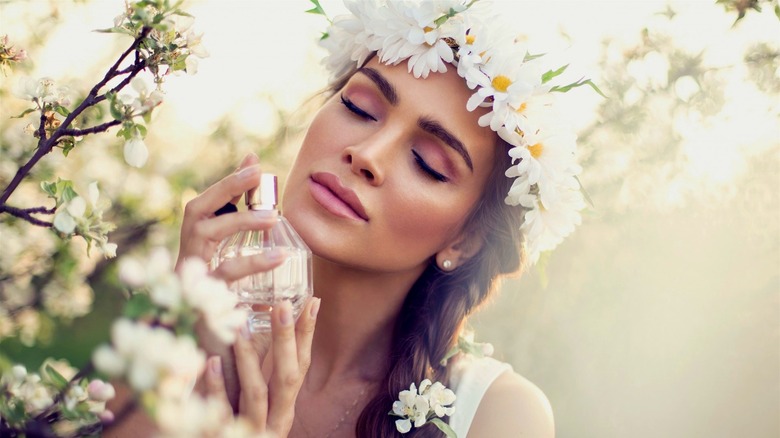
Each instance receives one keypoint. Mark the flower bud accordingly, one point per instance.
(99, 390)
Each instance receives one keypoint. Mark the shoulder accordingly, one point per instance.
(513, 407)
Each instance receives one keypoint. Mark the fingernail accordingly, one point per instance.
(215, 365)
(245, 332)
(285, 313)
(315, 307)
(248, 172)
(264, 214)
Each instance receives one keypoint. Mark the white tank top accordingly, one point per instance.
(470, 379)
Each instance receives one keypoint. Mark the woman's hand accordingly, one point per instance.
(201, 233)
(269, 404)
(202, 230)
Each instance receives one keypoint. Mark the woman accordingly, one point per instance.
(400, 190)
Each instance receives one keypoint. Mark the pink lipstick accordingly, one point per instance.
(327, 189)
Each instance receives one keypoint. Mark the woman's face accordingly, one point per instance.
(389, 169)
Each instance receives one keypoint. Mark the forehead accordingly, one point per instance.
(441, 97)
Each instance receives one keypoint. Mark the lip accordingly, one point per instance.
(327, 189)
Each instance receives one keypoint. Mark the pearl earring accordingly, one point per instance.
(446, 265)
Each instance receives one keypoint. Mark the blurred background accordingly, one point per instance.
(659, 316)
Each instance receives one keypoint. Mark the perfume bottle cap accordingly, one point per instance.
(263, 197)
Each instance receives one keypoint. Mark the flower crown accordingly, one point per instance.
(431, 34)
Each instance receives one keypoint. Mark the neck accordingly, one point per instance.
(355, 324)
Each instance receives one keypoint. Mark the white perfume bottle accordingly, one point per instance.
(292, 280)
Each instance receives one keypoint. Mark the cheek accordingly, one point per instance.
(419, 225)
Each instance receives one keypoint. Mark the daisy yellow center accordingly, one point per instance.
(536, 150)
(470, 39)
(427, 29)
(501, 83)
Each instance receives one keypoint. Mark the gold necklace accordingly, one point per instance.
(341, 420)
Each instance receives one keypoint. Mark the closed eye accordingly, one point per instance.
(427, 169)
(356, 109)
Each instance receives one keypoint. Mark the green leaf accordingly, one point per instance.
(24, 113)
(182, 13)
(141, 129)
(565, 88)
(56, 378)
(139, 305)
(67, 145)
(547, 76)
(444, 427)
(317, 9)
(531, 57)
(121, 30)
(777, 11)
(114, 109)
(50, 188)
(61, 110)
(68, 193)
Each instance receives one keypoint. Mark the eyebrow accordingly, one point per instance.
(426, 124)
(434, 128)
(386, 88)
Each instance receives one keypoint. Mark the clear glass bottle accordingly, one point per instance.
(292, 280)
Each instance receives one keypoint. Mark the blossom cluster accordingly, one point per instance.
(417, 406)
(84, 216)
(506, 79)
(26, 396)
(184, 296)
(155, 351)
(173, 43)
(150, 357)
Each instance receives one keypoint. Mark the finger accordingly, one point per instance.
(215, 382)
(304, 332)
(286, 378)
(253, 402)
(250, 159)
(225, 190)
(218, 228)
(239, 267)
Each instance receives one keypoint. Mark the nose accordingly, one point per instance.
(372, 157)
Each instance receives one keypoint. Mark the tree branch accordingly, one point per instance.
(27, 214)
(93, 130)
(45, 145)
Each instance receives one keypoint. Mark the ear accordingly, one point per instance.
(465, 246)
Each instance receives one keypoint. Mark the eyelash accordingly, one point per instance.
(418, 159)
(428, 169)
(356, 110)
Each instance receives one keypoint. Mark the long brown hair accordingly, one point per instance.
(437, 305)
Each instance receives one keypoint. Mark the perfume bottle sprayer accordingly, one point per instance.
(292, 280)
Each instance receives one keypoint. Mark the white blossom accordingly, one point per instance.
(42, 91)
(149, 356)
(144, 98)
(135, 152)
(416, 405)
(212, 298)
